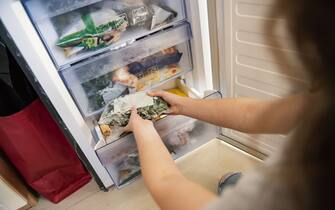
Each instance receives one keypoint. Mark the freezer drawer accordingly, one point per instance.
(180, 134)
(143, 65)
(75, 30)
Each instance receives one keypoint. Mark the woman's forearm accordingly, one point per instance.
(154, 157)
(169, 188)
(247, 115)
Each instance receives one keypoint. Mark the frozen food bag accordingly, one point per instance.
(117, 112)
(129, 168)
(161, 15)
(135, 77)
(95, 30)
(144, 14)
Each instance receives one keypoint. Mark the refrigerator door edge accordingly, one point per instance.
(198, 18)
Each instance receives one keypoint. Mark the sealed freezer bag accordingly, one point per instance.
(122, 161)
(95, 30)
(128, 168)
(179, 137)
(117, 113)
(151, 70)
(161, 15)
(148, 14)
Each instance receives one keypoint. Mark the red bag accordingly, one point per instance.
(40, 152)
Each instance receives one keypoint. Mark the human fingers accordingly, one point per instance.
(132, 119)
(158, 93)
(133, 111)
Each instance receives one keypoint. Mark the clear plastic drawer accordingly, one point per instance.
(74, 30)
(180, 135)
(146, 64)
(121, 160)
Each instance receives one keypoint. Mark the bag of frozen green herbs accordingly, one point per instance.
(117, 112)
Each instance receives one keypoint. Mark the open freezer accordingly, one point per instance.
(84, 54)
(64, 71)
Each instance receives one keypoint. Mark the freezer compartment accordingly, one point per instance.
(147, 64)
(180, 135)
(121, 160)
(104, 134)
(75, 30)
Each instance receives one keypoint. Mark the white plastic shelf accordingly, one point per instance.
(196, 133)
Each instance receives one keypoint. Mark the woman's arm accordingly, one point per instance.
(242, 114)
(169, 188)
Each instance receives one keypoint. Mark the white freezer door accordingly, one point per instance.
(249, 63)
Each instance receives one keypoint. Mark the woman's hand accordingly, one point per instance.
(136, 121)
(175, 102)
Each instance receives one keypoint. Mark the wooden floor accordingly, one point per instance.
(204, 166)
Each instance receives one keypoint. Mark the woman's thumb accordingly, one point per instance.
(133, 110)
(156, 93)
